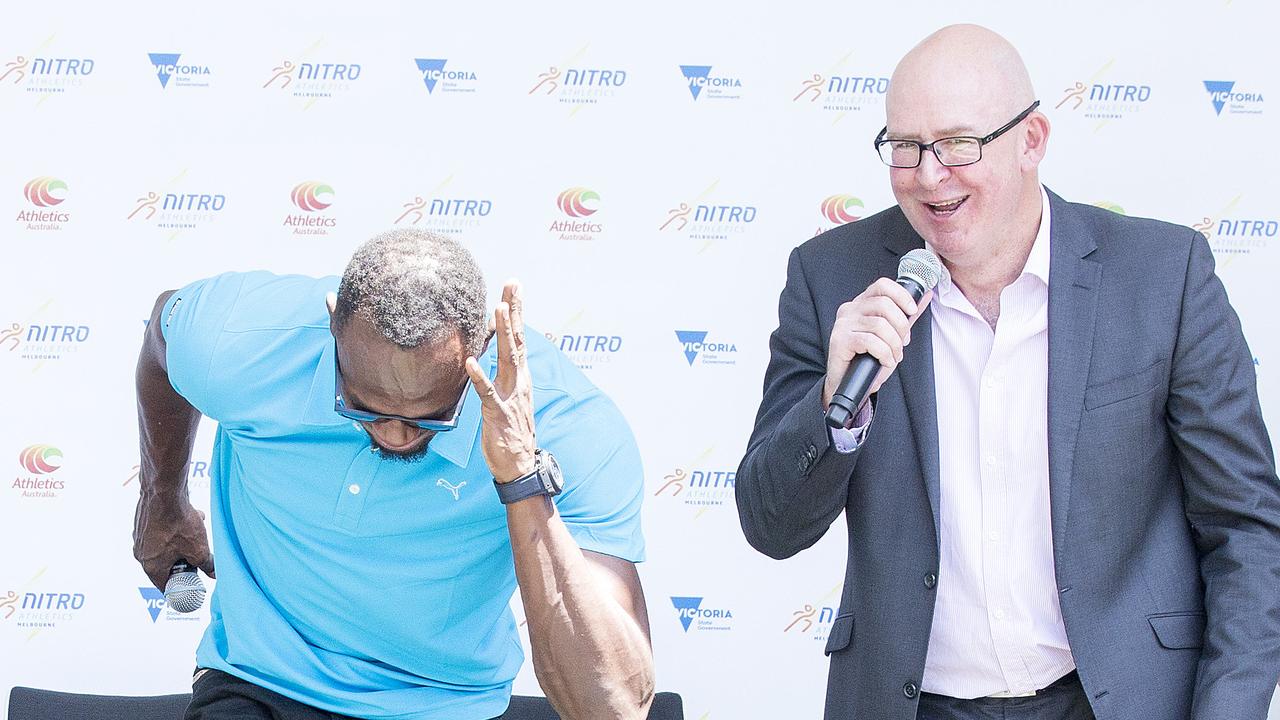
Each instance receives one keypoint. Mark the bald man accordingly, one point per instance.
(1062, 502)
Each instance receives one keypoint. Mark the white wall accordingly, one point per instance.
(645, 146)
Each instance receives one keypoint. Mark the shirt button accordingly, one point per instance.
(999, 613)
(354, 489)
(993, 536)
(909, 689)
(991, 461)
(930, 580)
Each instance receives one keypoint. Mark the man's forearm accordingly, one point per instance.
(591, 657)
(166, 421)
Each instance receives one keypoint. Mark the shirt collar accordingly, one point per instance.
(455, 445)
(1037, 260)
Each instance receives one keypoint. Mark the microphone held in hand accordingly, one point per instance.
(184, 592)
(918, 273)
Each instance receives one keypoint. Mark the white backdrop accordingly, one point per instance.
(645, 172)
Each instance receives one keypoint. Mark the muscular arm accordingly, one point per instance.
(1232, 497)
(165, 526)
(586, 612)
(587, 619)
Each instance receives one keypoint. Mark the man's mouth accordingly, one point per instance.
(947, 207)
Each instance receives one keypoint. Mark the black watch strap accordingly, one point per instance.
(525, 486)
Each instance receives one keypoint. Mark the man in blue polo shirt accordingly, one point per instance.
(378, 494)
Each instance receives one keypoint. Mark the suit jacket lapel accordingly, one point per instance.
(915, 377)
(1074, 280)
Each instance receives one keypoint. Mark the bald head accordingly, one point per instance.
(967, 72)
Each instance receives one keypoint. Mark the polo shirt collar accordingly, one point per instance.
(454, 446)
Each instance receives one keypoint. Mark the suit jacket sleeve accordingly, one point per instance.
(791, 483)
(1232, 498)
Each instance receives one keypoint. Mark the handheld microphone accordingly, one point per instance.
(184, 592)
(918, 272)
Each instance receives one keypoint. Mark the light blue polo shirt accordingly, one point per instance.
(362, 586)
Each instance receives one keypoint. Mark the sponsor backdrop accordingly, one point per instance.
(644, 171)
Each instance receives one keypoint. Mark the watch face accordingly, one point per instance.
(549, 470)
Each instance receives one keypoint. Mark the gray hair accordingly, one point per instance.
(414, 287)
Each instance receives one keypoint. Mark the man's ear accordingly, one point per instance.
(1035, 139)
(331, 301)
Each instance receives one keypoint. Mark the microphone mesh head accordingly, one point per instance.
(921, 266)
(184, 592)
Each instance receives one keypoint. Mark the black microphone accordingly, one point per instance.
(918, 272)
(184, 592)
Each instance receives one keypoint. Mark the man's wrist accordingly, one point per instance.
(515, 471)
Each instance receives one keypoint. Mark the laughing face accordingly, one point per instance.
(962, 82)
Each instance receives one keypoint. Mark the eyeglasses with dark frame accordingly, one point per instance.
(364, 416)
(950, 151)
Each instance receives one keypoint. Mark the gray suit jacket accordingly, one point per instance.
(1165, 502)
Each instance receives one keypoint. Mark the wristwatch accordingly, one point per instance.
(544, 480)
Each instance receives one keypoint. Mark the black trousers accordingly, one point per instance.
(216, 695)
(1062, 700)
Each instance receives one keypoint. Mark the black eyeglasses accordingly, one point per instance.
(951, 151)
(364, 416)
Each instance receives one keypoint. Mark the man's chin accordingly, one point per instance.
(412, 454)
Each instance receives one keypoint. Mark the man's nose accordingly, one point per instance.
(931, 173)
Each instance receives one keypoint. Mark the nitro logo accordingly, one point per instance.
(43, 342)
(38, 463)
(812, 622)
(1105, 102)
(842, 93)
(588, 351)
(452, 80)
(1238, 236)
(177, 211)
(154, 601)
(702, 83)
(691, 614)
(46, 74)
(313, 198)
(449, 216)
(1108, 205)
(197, 474)
(1222, 94)
(579, 86)
(704, 487)
(40, 610)
(313, 80)
(44, 193)
(168, 67)
(696, 347)
(709, 222)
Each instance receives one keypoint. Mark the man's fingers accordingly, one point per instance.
(484, 386)
(924, 303)
(507, 365)
(515, 293)
(895, 292)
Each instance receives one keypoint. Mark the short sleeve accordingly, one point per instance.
(192, 324)
(603, 473)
